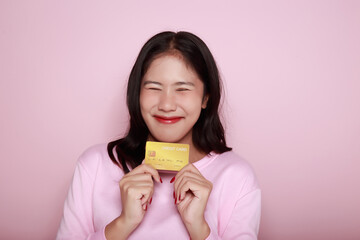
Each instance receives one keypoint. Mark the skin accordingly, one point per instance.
(171, 99)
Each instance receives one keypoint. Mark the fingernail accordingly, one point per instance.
(146, 207)
(179, 197)
(150, 201)
(160, 180)
(172, 180)
(174, 194)
(175, 201)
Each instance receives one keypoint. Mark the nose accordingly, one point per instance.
(167, 102)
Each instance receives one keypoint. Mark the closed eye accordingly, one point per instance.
(152, 85)
(182, 89)
(153, 88)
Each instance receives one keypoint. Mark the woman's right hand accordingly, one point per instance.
(136, 188)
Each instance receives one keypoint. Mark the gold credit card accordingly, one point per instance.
(167, 156)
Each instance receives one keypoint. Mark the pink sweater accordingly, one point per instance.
(93, 201)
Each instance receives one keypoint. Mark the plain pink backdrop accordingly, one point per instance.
(291, 72)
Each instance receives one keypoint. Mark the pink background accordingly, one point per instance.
(292, 76)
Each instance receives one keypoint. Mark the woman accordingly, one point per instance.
(173, 96)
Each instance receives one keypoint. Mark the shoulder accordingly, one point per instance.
(95, 150)
(233, 161)
(94, 153)
(230, 161)
(93, 158)
(232, 168)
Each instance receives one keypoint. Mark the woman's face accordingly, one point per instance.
(171, 99)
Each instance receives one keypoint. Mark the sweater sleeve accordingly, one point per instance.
(77, 221)
(245, 219)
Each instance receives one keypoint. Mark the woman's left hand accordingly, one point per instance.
(192, 192)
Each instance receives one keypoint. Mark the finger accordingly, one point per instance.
(137, 180)
(187, 173)
(184, 176)
(179, 178)
(133, 184)
(190, 168)
(140, 193)
(145, 168)
(139, 177)
(194, 182)
(144, 206)
(187, 184)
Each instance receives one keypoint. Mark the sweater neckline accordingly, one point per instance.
(206, 160)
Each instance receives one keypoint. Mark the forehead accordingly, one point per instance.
(170, 67)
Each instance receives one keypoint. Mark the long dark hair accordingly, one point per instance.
(207, 133)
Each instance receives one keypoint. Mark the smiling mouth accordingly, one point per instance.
(167, 120)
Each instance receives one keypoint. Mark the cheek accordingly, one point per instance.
(192, 105)
(143, 105)
(143, 98)
(147, 101)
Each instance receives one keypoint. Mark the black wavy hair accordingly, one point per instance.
(207, 133)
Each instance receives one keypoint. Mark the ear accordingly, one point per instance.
(205, 101)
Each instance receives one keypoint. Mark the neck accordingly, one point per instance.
(194, 154)
(196, 157)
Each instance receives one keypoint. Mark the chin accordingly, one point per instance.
(169, 138)
(164, 135)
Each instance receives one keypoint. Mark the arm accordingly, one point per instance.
(77, 221)
(245, 218)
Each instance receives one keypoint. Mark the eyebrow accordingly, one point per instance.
(184, 83)
(151, 82)
(176, 84)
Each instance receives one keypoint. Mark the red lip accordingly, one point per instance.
(167, 120)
